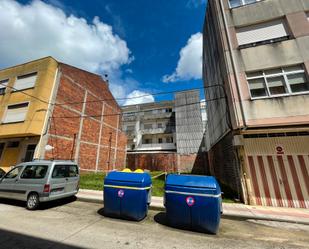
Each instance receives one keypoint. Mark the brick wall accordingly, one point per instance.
(77, 128)
(195, 163)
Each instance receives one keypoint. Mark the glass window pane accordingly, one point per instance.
(34, 172)
(273, 71)
(257, 87)
(257, 83)
(276, 85)
(293, 68)
(13, 173)
(73, 171)
(235, 3)
(249, 1)
(60, 171)
(298, 82)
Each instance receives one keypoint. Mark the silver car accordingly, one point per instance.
(40, 181)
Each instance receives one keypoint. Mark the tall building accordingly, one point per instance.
(166, 135)
(50, 110)
(255, 71)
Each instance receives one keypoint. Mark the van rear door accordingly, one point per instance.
(58, 180)
(72, 179)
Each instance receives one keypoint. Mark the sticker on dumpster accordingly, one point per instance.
(190, 201)
(120, 193)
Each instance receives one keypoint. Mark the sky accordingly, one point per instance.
(145, 46)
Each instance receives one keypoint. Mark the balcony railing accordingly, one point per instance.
(157, 115)
(128, 118)
(158, 130)
(163, 146)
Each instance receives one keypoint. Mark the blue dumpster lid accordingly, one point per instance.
(192, 181)
(116, 176)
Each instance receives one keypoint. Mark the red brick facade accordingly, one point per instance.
(168, 162)
(84, 128)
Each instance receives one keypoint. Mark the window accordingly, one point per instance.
(261, 33)
(237, 3)
(64, 171)
(169, 139)
(147, 141)
(3, 85)
(16, 113)
(160, 140)
(25, 81)
(1, 148)
(34, 172)
(13, 173)
(73, 171)
(279, 81)
(147, 126)
(160, 125)
(30, 152)
(13, 144)
(130, 128)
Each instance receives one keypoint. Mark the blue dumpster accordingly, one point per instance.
(127, 195)
(193, 202)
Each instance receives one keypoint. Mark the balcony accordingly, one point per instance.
(128, 118)
(163, 146)
(165, 130)
(163, 115)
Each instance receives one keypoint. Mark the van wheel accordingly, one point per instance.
(33, 201)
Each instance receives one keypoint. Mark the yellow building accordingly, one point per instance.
(25, 92)
(36, 95)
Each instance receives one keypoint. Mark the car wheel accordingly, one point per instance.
(33, 201)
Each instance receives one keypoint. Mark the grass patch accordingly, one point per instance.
(93, 181)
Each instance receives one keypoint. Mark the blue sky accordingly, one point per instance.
(149, 35)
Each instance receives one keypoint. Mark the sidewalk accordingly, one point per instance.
(230, 210)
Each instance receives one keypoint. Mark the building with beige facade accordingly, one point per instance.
(255, 71)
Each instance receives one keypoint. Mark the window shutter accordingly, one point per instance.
(261, 32)
(15, 114)
(25, 82)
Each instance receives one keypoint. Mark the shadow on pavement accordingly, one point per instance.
(43, 205)
(14, 240)
(161, 218)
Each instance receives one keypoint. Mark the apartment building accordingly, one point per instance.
(50, 110)
(255, 70)
(166, 135)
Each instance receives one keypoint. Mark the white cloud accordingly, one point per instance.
(138, 97)
(189, 65)
(38, 29)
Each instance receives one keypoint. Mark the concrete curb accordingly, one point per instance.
(93, 200)
(248, 217)
(224, 215)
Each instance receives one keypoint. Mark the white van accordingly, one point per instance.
(40, 181)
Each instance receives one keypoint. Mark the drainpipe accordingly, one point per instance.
(239, 93)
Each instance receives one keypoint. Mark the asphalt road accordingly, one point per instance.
(72, 224)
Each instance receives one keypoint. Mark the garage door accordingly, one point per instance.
(279, 180)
